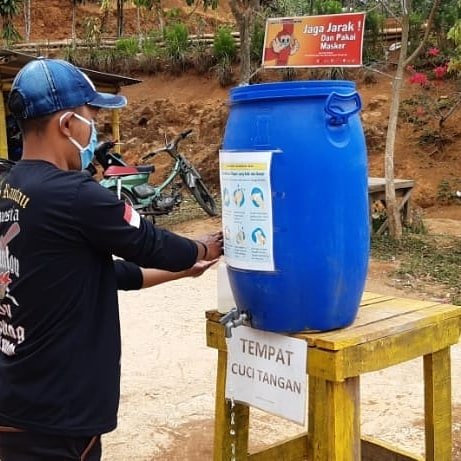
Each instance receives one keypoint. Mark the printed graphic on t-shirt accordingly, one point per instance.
(10, 334)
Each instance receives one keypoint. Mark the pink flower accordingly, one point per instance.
(433, 52)
(419, 78)
(440, 71)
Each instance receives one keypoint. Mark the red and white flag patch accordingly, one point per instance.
(131, 216)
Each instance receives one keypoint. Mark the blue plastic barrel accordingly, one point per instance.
(319, 189)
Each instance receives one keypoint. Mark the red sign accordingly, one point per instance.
(314, 41)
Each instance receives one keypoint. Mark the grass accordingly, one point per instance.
(432, 259)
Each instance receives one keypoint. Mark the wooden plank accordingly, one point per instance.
(372, 313)
(383, 352)
(334, 420)
(437, 402)
(379, 184)
(378, 450)
(223, 440)
(391, 318)
(215, 336)
(291, 449)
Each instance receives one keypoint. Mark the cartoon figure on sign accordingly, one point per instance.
(282, 46)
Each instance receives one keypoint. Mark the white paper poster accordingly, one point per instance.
(247, 209)
(267, 371)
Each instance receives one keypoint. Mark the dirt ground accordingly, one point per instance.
(168, 375)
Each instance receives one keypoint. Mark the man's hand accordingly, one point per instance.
(199, 268)
(210, 247)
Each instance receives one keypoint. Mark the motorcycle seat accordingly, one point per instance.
(127, 170)
(145, 168)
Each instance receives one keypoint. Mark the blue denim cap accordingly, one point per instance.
(46, 86)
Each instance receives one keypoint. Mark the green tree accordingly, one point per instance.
(245, 12)
(148, 5)
(8, 10)
(395, 225)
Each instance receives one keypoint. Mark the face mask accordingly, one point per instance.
(87, 152)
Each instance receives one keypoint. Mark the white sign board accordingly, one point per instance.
(267, 371)
(247, 209)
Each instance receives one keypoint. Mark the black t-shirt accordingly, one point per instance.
(128, 275)
(59, 319)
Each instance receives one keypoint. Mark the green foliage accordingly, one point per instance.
(446, 191)
(224, 46)
(127, 47)
(8, 10)
(176, 38)
(454, 34)
(328, 7)
(428, 258)
(373, 46)
(224, 71)
(257, 42)
(213, 4)
(148, 4)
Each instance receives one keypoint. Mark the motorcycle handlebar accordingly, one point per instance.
(171, 146)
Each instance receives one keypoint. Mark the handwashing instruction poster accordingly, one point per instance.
(247, 209)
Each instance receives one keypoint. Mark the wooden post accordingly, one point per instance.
(116, 128)
(3, 131)
(437, 402)
(334, 420)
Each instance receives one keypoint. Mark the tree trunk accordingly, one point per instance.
(393, 214)
(27, 21)
(245, 28)
(244, 13)
(119, 18)
(74, 34)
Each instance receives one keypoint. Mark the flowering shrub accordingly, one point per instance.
(438, 69)
(428, 109)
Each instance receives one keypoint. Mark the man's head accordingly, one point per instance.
(56, 102)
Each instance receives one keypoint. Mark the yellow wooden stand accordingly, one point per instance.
(387, 331)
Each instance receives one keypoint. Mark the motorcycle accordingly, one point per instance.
(131, 183)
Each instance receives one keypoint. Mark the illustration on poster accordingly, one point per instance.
(284, 45)
(258, 236)
(257, 197)
(226, 197)
(240, 238)
(239, 196)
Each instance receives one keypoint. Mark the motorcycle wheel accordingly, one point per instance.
(128, 197)
(203, 196)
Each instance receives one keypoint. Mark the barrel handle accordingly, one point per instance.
(338, 116)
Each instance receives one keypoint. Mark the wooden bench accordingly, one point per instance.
(377, 193)
(387, 331)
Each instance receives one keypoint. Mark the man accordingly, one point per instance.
(59, 324)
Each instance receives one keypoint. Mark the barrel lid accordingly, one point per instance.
(294, 89)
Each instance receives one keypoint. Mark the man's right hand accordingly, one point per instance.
(214, 246)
